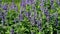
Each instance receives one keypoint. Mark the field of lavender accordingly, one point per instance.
(29, 16)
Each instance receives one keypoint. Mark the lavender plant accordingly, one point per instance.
(29, 16)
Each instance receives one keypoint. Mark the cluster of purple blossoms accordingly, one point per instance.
(31, 14)
(12, 31)
(52, 3)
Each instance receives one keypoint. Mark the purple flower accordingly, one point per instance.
(32, 20)
(5, 7)
(51, 3)
(12, 31)
(26, 14)
(20, 17)
(23, 3)
(58, 2)
(3, 18)
(46, 12)
(27, 1)
(13, 6)
(42, 5)
(29, 13)
(16, 8)
(42, 1)
(32, 1)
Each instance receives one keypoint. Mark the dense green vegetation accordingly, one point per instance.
(43, 23)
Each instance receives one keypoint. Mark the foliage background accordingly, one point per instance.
(25, 27)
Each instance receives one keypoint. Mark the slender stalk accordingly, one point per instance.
(47, 15)
(56, 18)
(23, 6)
(3, 18)
(52, 4)
(5, 8)
(58, 2)
(42, 8)
(12, 31)
(33, 15)
(40, 22)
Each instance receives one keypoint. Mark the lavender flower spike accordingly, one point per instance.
(23, 3)
(51, 3)
(5, 7)
(13, 6)
(42, 5)
(12, 31)
(27, 1)
(58, 2)
(20, 17)
(26, 14)
(32, 1)
(47, 14)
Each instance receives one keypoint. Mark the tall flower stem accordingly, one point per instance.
(33, 13)
(12, 31)
(42, 8)
(5, 9)
(52, 3)
(22, 9)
